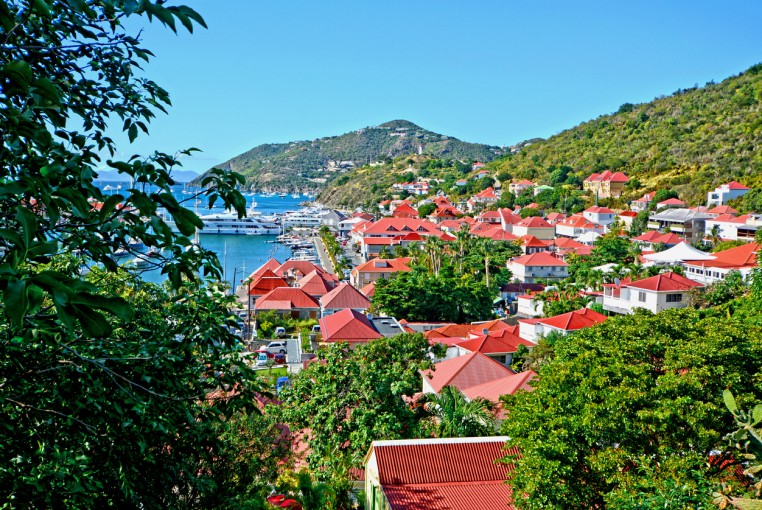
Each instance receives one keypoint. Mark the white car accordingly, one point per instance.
(276, 347)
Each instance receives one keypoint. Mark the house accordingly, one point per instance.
(733, 228)
(577, 225)
(369, 289)
(670, 203)
(517, 188)
(722, 209)
(499, 346)
(725, 192)
(463, 372)
(685, 222)
(538, 266)
(316, 284)
(510, 291)
(482, 199)
(348, 325)
(271, 264)
(293, 270)
(342, 297)
(289, 301)
(266, 282)
(534, 226)
(652, 238)
(491, 217)
(482, 174)
(374, 269)
(606, 184)
(528, 305)
(530, 244)
(539, 189)
(676, 256)
(405, 210)
(508, 219)
(600, 215)
(741, 258)
(449, 473)
(554, 217)
(643, 203)
(466, 331)
(657, 293)
(331, 219)
(346, 226)
(534, 329)
(627, 217)
(477, 166)
(461, 182)
(414, 188)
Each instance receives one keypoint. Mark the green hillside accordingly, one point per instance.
(690, 141)
(310, 164)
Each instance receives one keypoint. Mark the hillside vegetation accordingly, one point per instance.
(310, 164)
(690, 141)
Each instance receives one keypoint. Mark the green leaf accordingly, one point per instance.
(730, 402)
(46, 89)
(6, 18)
(19, 73)
(28, 222)
(16, 302)
(757, 414)
(93, 323)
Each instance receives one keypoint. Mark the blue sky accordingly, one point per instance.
(495, 72)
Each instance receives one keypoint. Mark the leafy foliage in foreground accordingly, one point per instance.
(628, 412)
(690, 141)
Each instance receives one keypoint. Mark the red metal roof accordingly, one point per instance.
(534, 222)
(384, 265)
(666, 282)
(302, 267)
(487, 193)
(572, 321)
(369, 289)
(671, 201)
(599, 210)
(529, 241)
(736, 185)
(344, 296)
(271, 264)
(498, 342)
(347, 325)
(541, 258)
(507, 385)
(315, 284)
(740, 257)
(392, 226)
(483, 495)
(266, 282)
(722, 209)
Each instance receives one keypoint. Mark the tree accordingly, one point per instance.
(632, 407)
(456, 416)
(114, 392)
(528, 212)
(426, 209)
(355, 397)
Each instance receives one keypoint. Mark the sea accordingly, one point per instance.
(239, 255)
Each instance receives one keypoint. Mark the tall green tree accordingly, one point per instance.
(113, 392)
(456, 416)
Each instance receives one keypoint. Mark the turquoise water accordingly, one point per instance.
(239, 255)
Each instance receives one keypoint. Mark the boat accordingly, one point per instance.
(282, 195)
(295, 195)
(228, 222)
(138, 263)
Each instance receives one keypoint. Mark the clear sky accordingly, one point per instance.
(494, 72)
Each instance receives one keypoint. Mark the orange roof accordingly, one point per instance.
(628, 214)
(541, 258)
(607, 175)
(344, 296)
(722, 209)
(666, 282)
(572, 321)
(384, 265)
(405, 210)
(524, 182)
(532, 242)
(498, 234)
(577, 221)
(286, 298)
(369, 289)
(464, 330)
(671, 201)
(465, 371)
(567, 243)
(348, 326)
(555, 216)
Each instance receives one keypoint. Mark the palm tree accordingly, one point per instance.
(456, 416)
(715, 235)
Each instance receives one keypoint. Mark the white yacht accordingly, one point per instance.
(228, 222)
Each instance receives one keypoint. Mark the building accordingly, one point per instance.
(600, 215)
(670, 203)
(606, 184)
(741, 258)
(733, 228)
(649, 240)
(316, 284)
(350, 326)
(577, 225)
(517, 188)
(538, 267)
(414, 188)
(482, 199)
(499, 346)
(684, 222)
(374, 269)
(534, 226)
(657, 293)
(289, 301)
(450, 473)
(534, 329)
(627, 217)
(342, 297)
(643, 203)
(722, 194)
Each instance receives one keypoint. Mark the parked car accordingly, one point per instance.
(262, 359)
(279, 358)
(280, 331)
(276, 347)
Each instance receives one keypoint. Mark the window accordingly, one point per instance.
(674, 298)
(642, 297)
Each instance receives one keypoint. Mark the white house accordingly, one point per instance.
(538, 266)
(722, 194)
(600, 215)
(534, 329)
(657, 293)
(741, 258)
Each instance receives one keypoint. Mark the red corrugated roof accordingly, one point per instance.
(483, 495)
(344, 296)
(671, 201)
(389, 226)
(507, 385)
(666, 282)
(315, 284)
(369, 289)
(302, 267)
(465, 371)
(722, 209)
(265, 283)
(487, 193)
(599, 210)
(498, 342)
(349, 326)
(271, 264)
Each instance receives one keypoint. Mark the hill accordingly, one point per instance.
(691, 141)
(177, 175)
(311, 164)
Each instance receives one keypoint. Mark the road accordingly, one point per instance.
(325, 259)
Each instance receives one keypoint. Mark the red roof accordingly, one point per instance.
(599, 210)
(524, 182)
(628, 214)
(671, 201)
(344, 296)
(315, 284)
(532, 242)
(577, 221)
(300, 267)
(666, 282)
(541, 258)
(498, 342)
(394, 226)
(736, 185)
(567, 243)
(722, 209)
(369, 289)
(555, 216)
(487, 193)
(498, 234)
(507, 385)
(405, 211)
(286, 298)
(740, 257)
(534, 222)
(465, 330)
(271, 264)
(349, 326)
(509, 217)
(465, 371)
(384, 265)
(265, 283)
(572, 321)
(656, 237)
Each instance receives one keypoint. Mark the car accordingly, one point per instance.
(280, 331)
(279, 358)
(276, 347)
(262, 359)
